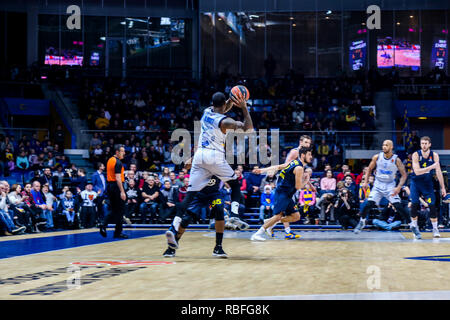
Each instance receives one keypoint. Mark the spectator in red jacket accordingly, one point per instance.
(345, 169)
(242, 181)
(183, 190)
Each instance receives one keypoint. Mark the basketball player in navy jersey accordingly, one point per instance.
(305, 141)
(424, 161)
(291, 179)
(387, 164)
(209, 158)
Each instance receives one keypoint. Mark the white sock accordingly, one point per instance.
(363, 221)
(176, 223)
(261, 230)
(287, 229)
(435, 225)
(235, 207)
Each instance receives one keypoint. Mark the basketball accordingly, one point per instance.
(240, 89)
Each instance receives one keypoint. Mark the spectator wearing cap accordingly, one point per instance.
(266, 208)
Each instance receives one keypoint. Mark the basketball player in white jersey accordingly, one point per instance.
(209, 158)
(305, 141)
(387, 164)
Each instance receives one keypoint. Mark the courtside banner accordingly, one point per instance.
(423, 108)
(28, 107)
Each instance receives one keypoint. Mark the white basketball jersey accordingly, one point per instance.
(211, 137)
(386, 168)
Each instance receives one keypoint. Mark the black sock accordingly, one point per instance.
(219, 237)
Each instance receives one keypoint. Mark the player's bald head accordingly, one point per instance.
(388, 142)
(388, 145)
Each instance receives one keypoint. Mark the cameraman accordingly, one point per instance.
(389, 219)
(326, 206)
(345, 209)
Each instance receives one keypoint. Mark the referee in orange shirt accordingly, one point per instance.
(115, 192)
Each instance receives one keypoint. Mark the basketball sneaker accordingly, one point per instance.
(218, 252)
(359, 227)
(270, 232)
(436, 233)
(239, 223)
(257, 237)
(416, 232)
(169, 253)
(171, 240)
(291, 235)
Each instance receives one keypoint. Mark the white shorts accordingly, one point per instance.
(205, 164)
(383, 190)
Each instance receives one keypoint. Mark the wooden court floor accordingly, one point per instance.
(327, 263)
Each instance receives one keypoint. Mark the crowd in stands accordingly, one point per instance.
(66, 199)
(143, 114)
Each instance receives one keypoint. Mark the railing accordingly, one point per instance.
(18, 133)
(365, 140)
(422, 91)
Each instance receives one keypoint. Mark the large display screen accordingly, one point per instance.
(398, 53)
(67, 58)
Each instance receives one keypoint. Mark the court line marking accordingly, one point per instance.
(401, 295)
(86, 245)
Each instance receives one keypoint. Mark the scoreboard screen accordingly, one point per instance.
(358, 54)
(439, 54)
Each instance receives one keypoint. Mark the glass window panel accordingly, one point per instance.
(95, 41)
(252, 45)
(304, 43)
(355, 41)
(382, 58)
(278, 41)
(407, 45)
(207, 43)
(48, 41)
(434, 38)
(136, 40)
(329, 43)
(227, 43)
(116, 27)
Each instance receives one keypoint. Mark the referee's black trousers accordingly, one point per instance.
(116, 207)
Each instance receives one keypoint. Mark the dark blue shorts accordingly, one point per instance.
(283, 203)
(205, 201)
(422, 188)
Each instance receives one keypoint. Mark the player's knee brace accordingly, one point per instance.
(415, 210)
(187, 219)
(182, 206)
(433, 211)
